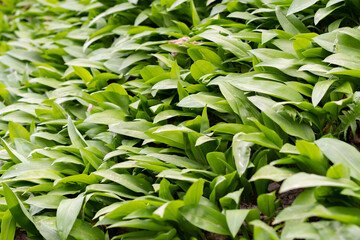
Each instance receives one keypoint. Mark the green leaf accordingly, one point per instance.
(18, 131)
(83, 74)
(343, 214)
(82, 62)
(238, 102)
(271, 88)
(134, 129)
(47, 227)
(338, 171)
(299, 5)
(235, 219)
(201, 68)
(167, 114)
(100, 81)
(324, 12)
(194, 193)
(235, 46)
(340, 152)
(305, 180)
(263, 231)
(266, 203)
(320, 90)
(272, 173)
(66, 215)
(79, 178)
(202, 99)
(89, 157)
(46, 201)
(117, 8)
(282, 119)
(241, 152)
(126, 208)
(258, 138)
(206, 218)
(134, 183)
(269, 133)
(75, 136)
(147, 224)
(194, 15)
(290, 23)
(18, 211)
(85, 230)
(15, 156)
(8, 226)
(317, 162)
(218, 164)
(201, 53)
(343, 60)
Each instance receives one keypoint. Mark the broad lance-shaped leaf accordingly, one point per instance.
(272, 173)
(238, 101)
(299, 212)
(206, 218)
(135, 129)
(202, 99)
(134, 183)
(290, 23)
(266, 203)
(235, 219)
(8, 226)
(18, 131)
(117, 8)
(305, 180)
(66, 215)
(75, 136)
(320, 90)
(15, 156)
(83, 74)
(324, 12)
(274, 112)
(258, 138)
(164, 115)
(276, 89)
(341, 152)
(18, 211)
(194, 193)
(194, 15)
(201, 68)
(90, 157)
(46, 201)
(106, 117)
(241, 152)
(318, 163)
(269, 133)
(235, 46)
(263, 231)
(299, 5)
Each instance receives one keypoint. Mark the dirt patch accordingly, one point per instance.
(20, 235)
(214, 236)
(287, 198)
(244, 205)
(273, 186)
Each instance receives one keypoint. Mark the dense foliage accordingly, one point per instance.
(180, 119)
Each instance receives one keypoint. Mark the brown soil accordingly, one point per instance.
(288, 197)
(20, 235)
(244, 205)
(214, 236)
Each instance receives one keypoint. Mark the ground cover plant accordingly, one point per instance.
(179, 119)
